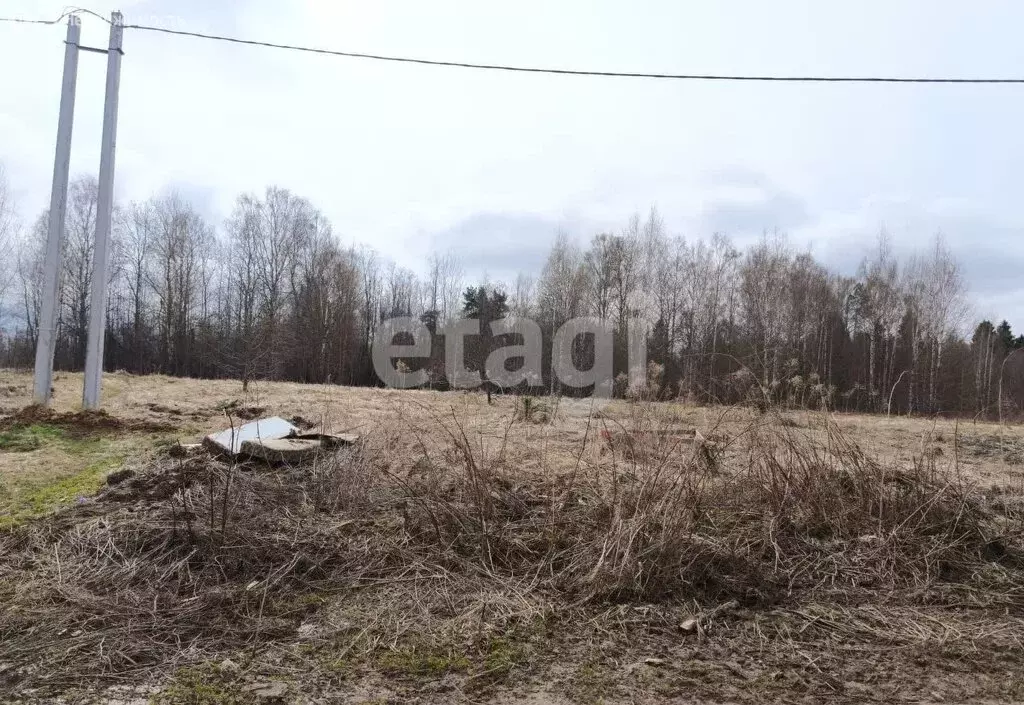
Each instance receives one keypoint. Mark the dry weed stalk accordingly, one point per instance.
(772, 515)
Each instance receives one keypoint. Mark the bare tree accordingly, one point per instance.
(562, 282)
(400, 288)
(137, 228)
(561, 288)
(521, 301)
(626, 266)
(708, 290)
(443, 285)
(79, 240)
(275, 295)
(371, 294)
(8, 234)
(244, 351)
(600, 265)
(883, 313)
(945, 307)
(179, 241)
(324, 315)
(31, 252)
(766, 307)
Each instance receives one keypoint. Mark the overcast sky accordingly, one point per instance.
(411, 158)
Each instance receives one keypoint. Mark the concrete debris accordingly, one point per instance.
(275, 440)
(689, 626)
(295, 449)
(230, 440)
(281, 450)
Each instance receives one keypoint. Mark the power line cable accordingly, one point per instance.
(21, 20)
(575, 72)
(87, 11)
(67, 11)
(537, 69)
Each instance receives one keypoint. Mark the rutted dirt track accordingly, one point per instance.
(462, 552)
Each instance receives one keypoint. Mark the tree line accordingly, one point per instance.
(273, 294)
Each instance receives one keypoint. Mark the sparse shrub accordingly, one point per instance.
(650, 387)
(532, 410)
(620, 386)
(801, 512)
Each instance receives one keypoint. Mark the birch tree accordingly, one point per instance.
(8, 235)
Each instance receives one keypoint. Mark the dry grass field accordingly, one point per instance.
(542, 551)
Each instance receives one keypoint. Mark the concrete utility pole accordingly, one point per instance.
(104, 211)
(47, 326)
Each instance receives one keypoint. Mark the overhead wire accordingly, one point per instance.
(538, 69)
(87, 11)
(21, 20)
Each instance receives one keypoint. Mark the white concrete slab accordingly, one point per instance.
(230, 440)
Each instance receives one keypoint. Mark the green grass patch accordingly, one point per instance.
(504, 654)
(206, 684)
(23, 439)
(48, 498)
(592, 683)
(38, 501)
(53, 468)
(421, 662)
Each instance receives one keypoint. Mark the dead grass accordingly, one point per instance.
(456, 562)
(197, 407)
(643, 552)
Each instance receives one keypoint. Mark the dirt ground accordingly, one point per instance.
(495, 635)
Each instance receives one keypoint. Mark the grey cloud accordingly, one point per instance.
(202, 198)
(501, 244)
(745, 202)
(987, 249)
